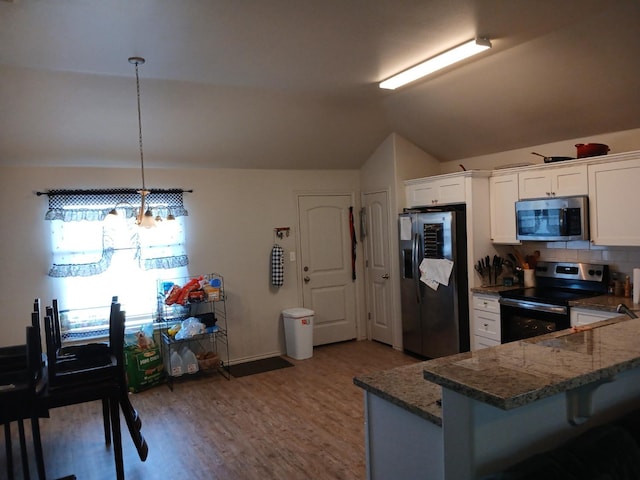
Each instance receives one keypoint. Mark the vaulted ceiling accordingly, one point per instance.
(293, 83)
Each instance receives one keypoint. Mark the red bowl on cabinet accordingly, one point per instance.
(591, 149)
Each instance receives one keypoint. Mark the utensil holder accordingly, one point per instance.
(529, 277)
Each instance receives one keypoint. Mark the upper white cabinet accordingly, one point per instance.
(614, 199)
(612, 183)
(503, 194)
(553, 182)
(441, 190)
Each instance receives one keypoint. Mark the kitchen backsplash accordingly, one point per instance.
(619, 259)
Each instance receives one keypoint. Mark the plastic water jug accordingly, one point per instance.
(176, 364)
(189, 361)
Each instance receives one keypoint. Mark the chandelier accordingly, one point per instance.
(144, 216)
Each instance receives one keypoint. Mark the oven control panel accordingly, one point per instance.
(572, 271)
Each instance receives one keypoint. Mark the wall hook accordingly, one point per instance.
(281, 231)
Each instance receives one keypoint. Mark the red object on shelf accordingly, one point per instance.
(591, 149)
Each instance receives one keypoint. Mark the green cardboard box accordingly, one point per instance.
(144, 368)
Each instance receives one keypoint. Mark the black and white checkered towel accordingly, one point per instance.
(277, 266)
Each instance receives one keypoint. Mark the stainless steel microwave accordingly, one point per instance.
(553, 219)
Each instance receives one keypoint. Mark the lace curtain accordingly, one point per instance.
(85, 237)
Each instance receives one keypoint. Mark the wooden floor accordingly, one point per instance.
(302, 422)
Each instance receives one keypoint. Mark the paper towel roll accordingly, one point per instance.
(636, 285)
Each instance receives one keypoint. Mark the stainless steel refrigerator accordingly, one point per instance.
(435, 323)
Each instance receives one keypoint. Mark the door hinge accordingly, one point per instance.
(366, 263)
(369, 315)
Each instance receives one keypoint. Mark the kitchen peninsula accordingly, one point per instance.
(470, 414)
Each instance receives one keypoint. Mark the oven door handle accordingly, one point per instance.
(526, 304)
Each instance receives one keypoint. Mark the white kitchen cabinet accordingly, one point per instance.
(614, 199)
(440, 190)
(553, 182)
(482, 342)
(503, 194)
(585, 316)
(486, 320)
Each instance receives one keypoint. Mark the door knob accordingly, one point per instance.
(385, 276)
(307, 279)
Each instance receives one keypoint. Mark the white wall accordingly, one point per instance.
(395, 160)
(230, 228)
(619, 259)
(619, 142)
(411, 162)
(232, 214)
(377, 175)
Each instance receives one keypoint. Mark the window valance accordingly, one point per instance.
(95, 205)
(87, 241)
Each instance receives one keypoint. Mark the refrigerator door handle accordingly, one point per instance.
(414, 262)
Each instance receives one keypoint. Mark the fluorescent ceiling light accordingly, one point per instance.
(436, 63)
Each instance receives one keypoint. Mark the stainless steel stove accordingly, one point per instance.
(527, 312)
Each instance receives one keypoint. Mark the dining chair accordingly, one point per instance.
(14, 363)
(74, 379)
(14, 357)
(20, 401)
(96, 353)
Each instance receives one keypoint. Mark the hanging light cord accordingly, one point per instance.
(137, 61)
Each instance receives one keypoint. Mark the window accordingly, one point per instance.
(97, 255)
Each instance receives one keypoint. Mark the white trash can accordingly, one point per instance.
(298, 332)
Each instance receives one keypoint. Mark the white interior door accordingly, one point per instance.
(325, 250)
(378, 257)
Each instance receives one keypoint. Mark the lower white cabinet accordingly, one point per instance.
(585, 316)
(483, 342)
(486, 321)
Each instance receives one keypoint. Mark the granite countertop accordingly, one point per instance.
(606, 303)
(406, 387)
(493, 289)
(514, 374)
(518, 373)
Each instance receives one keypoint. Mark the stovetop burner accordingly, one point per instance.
(559, 283)
(554, 296)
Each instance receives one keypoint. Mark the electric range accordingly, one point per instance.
(531, 311)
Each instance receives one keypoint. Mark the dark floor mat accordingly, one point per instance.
(259, 366)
